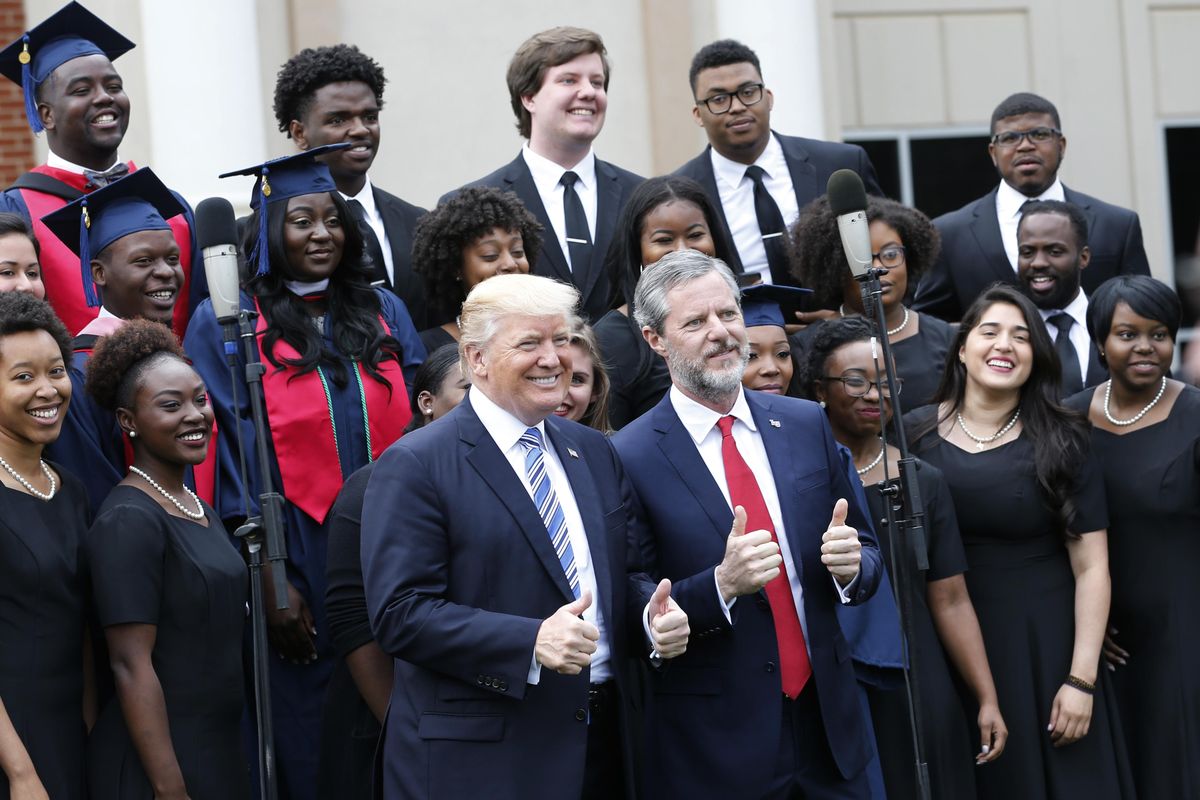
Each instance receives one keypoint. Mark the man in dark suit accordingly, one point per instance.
(764, 702)
(757, 179)
(558, 85)
(334, 94)
(494, 557)
(1052, 254)
(979, 240)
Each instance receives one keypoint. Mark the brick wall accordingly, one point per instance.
(16, 140)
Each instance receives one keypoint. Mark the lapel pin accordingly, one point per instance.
(572, 453)
(774, 423)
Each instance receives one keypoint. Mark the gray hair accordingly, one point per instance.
(650, 307)
(511, 295)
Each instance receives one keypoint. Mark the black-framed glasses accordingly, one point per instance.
(1039, 135)
(857, 385)
(892, 256)
(748, 93)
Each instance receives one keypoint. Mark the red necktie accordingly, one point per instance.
(794, 666)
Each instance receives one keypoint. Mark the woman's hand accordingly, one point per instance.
(27, 787)
(1070, 715)
(1114, 655)
(291, 631)
(993, 733)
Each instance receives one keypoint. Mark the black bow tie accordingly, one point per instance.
(98, 180)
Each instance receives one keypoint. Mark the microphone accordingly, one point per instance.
(848, 202)
(216, 233)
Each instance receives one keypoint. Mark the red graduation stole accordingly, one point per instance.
(302, 428)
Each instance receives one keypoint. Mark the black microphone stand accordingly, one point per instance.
(263, 528)
(906, 533)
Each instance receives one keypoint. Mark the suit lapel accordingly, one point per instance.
(676, 444)
(804, 175)
(1084, 204)
(708, 181)
(986, 230)
(494, 469)
(520, 180)
(399, 237)
(774, 433)
(608, 204)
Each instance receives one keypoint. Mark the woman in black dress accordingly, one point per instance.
(43, 516)
(841, 373)
(170, 589)
(662, 215)
(1030, 503)
(587, 396)
(1146, 435)
(477, 233)
(905, 243)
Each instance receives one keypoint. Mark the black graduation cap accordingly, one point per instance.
(70, 32)
(282, 179)
(770, 304)
(137, 202)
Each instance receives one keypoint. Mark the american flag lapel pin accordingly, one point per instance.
(774, 423)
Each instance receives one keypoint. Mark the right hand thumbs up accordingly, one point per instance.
(576, 607)
(565, 642)
(739, 521)
(751, 559)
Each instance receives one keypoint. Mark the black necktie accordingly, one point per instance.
(774, 232)
(1072, 380)
(98, 180)
(378, 266)
(579, 240)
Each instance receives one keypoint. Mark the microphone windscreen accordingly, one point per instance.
(846, 192)
(215, 223)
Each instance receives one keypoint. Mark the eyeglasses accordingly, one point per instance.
(890, 256)
(749, 94)
(1036, 135)
(857, 385)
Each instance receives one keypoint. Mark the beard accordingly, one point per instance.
(712, 385)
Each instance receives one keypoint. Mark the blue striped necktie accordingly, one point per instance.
(548, 505)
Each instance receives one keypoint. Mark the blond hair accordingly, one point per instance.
(495, 299)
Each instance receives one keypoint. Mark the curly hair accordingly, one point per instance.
(828, 336)
(445, 232)
(819, 262)
(314, 67)
(21, 313)
(123, 356)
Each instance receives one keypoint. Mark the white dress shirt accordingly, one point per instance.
(1077, 310)
(547, 177)
(366, 197)
(737, 200)
(58, 162)
(1008, 213)
(701, 424)
(506, 431)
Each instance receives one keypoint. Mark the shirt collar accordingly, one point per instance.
(546, 174)
(365, 197)
(503, 427)
(58, 162)
(700, 420)
(1009, 200)
(732, 172)
(106, 314)
(1076, 309)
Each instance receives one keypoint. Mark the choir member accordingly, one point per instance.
(438, 386)
(20, 270)
(587, 396)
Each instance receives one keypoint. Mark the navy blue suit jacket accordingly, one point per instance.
(614, 186)
(459, 574)
(713, 714)
(810, 162)
(973, 256)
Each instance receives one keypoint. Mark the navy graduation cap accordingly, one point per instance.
(282, 179)
(766, 303)
(71, 32)
(137, 202)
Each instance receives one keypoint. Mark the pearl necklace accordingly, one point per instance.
(982, 441)
(1124, 422)
(29, 486)
(875, 463)
(903, 323)
(188, 513)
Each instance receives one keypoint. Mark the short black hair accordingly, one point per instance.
(1024, 103)
(310, 69)
(720, 54)
(1079, 223)
(429, 377)
(445, 232)
(819, 262)
(123, 356)
(21, 313)
(1147, 297)
(15, 223)
(829, 335)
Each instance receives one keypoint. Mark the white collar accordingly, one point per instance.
(700, 420)
(501, 425)
(547, 174)
(58, 162)
(303, 288)
(106, 314)
(732, 172)
(1076, 309)
(365, 197)
(1009, 200)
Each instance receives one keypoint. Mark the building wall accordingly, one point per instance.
(16, 147)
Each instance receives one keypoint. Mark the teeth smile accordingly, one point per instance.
(549, 380)
(999, 362)
(192, 437)
(582, 112)
(45, 413)
(162, 294)
(105, 118)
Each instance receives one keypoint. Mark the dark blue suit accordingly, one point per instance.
(713, 715)
(459, 574)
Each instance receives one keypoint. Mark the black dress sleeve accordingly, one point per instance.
(345, 598)
(947, 557)
(125, 551)
(1091, 506)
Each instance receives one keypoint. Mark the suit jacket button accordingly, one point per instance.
(479, 679)
(503, 686)
(769, 666)
(580, 714)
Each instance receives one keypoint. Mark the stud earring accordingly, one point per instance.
(822, 403)
(133, 434)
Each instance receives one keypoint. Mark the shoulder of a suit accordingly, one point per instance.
(1096, 205)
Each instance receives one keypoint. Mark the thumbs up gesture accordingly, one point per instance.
(841, 552)
(669, 628)
(565, 642)
(751, 560)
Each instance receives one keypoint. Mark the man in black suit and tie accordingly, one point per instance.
(333, 94)
(757, 179)
(979, 240)
(1052, 254)
(558, 85)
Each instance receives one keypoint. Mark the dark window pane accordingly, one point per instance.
(948, 173)
(1183, 176)
(885, 157)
